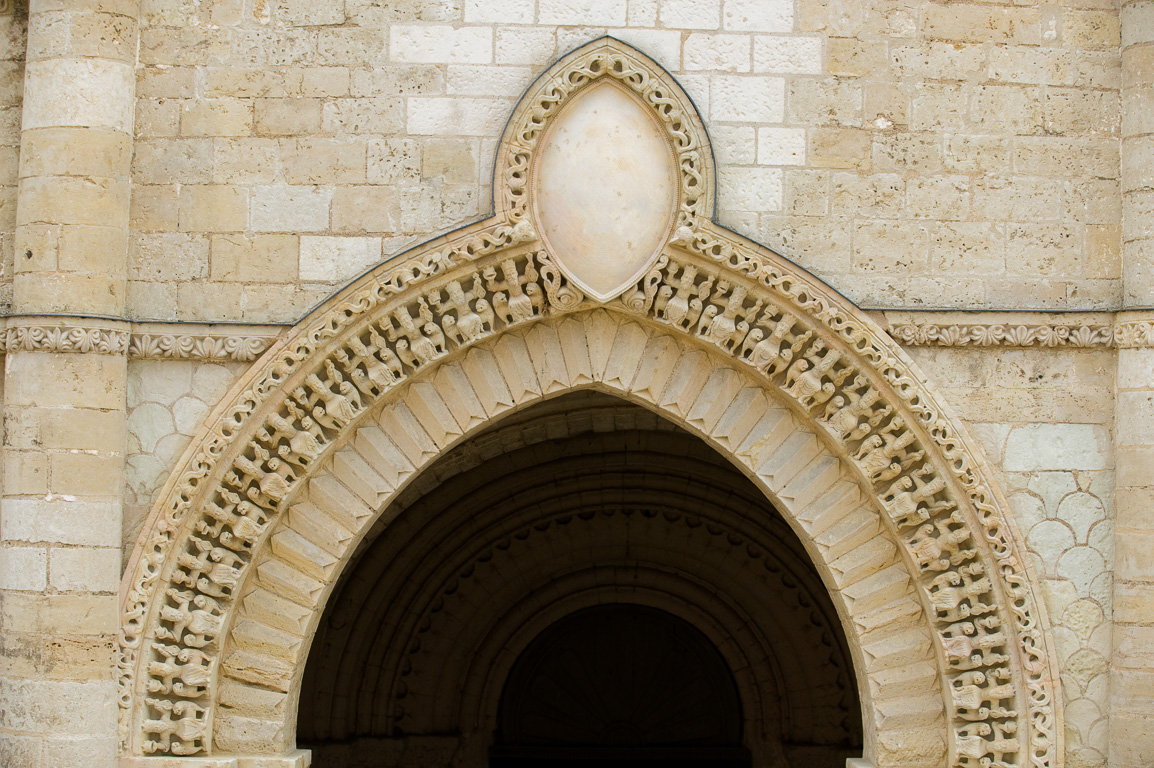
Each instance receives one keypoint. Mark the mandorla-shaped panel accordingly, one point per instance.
(604, 189)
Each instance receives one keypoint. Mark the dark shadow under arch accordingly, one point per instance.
(621, 685)
(580, 501)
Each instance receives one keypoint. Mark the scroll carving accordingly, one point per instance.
(241, 349)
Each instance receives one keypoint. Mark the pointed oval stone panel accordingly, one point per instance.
(605, 189)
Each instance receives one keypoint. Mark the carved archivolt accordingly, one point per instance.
(414, 318)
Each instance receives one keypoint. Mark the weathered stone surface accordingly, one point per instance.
(255, 158)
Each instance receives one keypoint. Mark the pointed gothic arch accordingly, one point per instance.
(773, 369)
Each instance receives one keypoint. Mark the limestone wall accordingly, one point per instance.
(13, 36)
(912, 154)
(1044, 418)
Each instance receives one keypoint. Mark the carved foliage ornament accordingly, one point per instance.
(816, 352)
(1003, 335)
(48, 333)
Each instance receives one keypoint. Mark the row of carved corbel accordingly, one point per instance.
(46, 333)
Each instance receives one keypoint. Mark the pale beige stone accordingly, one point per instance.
(605, 149)
(977, 166)
(79, 92)
(254, 258)
(288, 117)
(213, 208)
(335, 259)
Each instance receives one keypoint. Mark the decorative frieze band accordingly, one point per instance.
(243, 343)
(137, 340)
(1134, 333)
(64, 338)
(1002, 335)
(1125, 330)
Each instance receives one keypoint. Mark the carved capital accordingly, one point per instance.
(1134, 330)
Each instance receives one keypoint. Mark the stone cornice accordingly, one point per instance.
(47, 333)
(139, 340)
(244, 342)
(1019, 329)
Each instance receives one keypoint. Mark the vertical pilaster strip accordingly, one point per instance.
(1132, 672)
(1137, 154)
(1131, 680)
(64, 408)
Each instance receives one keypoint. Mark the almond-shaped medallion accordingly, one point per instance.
(605, 189)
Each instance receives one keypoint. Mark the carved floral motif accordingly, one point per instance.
(197, 347)
(1132, 334)
(1003, 335)
(719, 291)
(64, 338)
(50, 334)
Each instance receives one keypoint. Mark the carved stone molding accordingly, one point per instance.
(56, 334)
(493, 294)
(245, 343)
(1003, 335)
(1134, 330)
(208, 343)
(176, 341)
(945, 328)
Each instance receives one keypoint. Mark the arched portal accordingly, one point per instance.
(580, 502)
(788, 381)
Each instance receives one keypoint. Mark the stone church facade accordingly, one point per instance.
(387, 383)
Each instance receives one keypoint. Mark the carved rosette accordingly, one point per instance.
(816, 352)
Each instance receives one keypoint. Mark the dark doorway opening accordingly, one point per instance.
(620, 685)
(582, 502)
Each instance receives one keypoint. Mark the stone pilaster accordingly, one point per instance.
(1132, 678)
(1132, 672)
(1137, 154)
(64, 398)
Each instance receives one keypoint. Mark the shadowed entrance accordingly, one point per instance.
(620, 685)
(584, 522)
